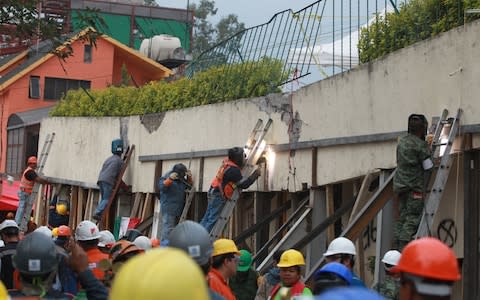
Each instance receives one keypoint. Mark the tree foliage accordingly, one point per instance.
(249, 79)
(417, 20)
(206, 35)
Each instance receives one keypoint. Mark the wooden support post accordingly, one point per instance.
(314, 166)
(73, 207)
(81, 201)
(147, 207)
(330, 211)
(136, 205)
(360, 258)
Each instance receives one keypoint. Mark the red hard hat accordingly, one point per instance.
(64, 230)
(32, 160)
(428, 258)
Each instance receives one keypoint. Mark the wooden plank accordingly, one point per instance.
(81, 203)
(314, 166)
(73, 207)
(136, 205)
(88, 204)
(147, 207)
(363, 194)
(361, 258)
(330, 212)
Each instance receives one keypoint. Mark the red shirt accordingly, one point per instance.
(94, 257)
(218, 284)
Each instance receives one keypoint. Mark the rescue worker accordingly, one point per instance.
(270, 279)
(427, 269)
(228, 178)
(413, 167)
(172, 187)
(343, 250)
(123, 250)
(10, 235)
(290, 286)
(58, 212)
(28, 180)
(349, 293)
(224, 266)
(331, 275)
(167, 274)
(244, 283)
(66, 280)
(143, 242)
(106, 241)
(108, 176)
(389, 287)
(36, 261)
(192, 238)
(87, 236)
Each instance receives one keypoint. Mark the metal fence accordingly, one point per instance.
(328, 37)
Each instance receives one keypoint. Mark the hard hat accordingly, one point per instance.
(143, 242)
(8, 224)
(117, 146)
(336, 268)
(290, 258)
(349, 293)
(340, 245)
(106, 238)
(61, 209)
(391, 257)
(224, 246)
(44, 230)
(237, 155)
(123, 250)
(155, 243)
(181, 169)
(428, 258)
(245, 261)
(64, 230)
(86, 231)
(36, 255)
(3, 292)
(32, 160)
(166, 273)
(194, 239)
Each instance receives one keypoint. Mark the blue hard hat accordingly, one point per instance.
(336, 268)
(350, 293)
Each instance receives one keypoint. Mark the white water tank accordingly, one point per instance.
(162, 47)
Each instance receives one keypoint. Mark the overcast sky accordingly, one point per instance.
(250, 12)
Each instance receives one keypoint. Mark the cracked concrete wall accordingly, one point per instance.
(424, 78)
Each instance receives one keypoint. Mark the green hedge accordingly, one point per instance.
(417, 20)
(218, 84)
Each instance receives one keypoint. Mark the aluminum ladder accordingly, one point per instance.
(253, 149)
(47, 145)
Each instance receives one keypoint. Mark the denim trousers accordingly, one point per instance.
(105, 192)
(23, 199)
(214, 208)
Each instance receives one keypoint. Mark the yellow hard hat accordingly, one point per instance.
(223, 246)
(291, 258)
(3, 292)
(55, 232)
(61, 209)
(166, 273)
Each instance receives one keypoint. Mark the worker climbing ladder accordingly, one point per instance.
(444, 145)
(253, 149)
(47, 145)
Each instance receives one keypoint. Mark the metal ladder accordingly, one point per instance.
(432, 202)
(253, 150)
(188, 202)
(41, 164)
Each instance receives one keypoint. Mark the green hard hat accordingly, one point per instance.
(245, 261)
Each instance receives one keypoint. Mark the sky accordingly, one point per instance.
(250, 12)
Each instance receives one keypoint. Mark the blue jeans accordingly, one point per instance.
(23, 199)
(105, 191)
(168, 223)
(214, 208)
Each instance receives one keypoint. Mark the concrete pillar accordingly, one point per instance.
(317, 246)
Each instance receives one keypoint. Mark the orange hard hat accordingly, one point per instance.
(123, 249)
(155, 242)
(32, 160)
(428, 258)
(64, 230)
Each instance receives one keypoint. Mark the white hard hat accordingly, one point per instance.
(2, 243)
(7, 224)
(391, 257)
(44, 230)
(143, 242)
(86, 231)
(106, 237)
(340, 245)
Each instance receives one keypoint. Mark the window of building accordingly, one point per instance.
(56, 88)
(34, 87)
(87, 54)
(15, 151)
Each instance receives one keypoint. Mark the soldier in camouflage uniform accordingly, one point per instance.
(413, 167)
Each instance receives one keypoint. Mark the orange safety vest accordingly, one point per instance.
(295, 290)
(25, 184)
(227, 191)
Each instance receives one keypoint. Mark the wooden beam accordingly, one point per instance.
(73, 207)
(81, 201)
(314, 166)
(147, 207)
(136, 205)
(330, 212)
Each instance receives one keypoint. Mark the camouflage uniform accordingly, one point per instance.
(408, 184)
(389, 288)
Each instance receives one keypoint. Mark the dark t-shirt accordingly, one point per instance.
(6, 254)
(31, 175)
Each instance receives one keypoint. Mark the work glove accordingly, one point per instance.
(189, 176)
(173, 176)
(255, 174)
